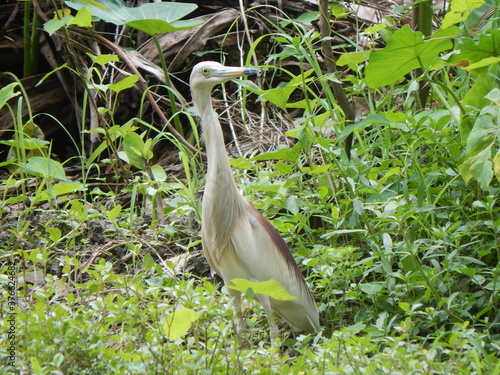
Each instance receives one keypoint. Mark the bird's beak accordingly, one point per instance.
(230, 72)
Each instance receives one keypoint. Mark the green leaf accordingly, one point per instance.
(376, 28)
(476, 57)
(148, 262)
(240, 163)
(459, 11)
(307, 18)
(285, 154)
(114, 212)
(279, 95)
(496, 166)
(179, 322)
(125, 83)
(478, 166)
(7, 92)
(63, 188)
(54, 233)
(293, 204)
(270, 288)
(152, 18)
(133, 145)
(405, 306)
(283, 168)
(45, 167)
(476, 96)
(406, 50)
(53, 25)
(338, 11)
(158, 173)
(103, 59)
(83, 18)
(78, 209)
(154, 26)
(94, 4)
(353, 58)
(371, 288)
(27, 143)
(481, 135)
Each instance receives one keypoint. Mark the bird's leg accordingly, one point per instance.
(240, 324)
(273, 332)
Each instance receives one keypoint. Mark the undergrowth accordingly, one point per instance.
(397, 236)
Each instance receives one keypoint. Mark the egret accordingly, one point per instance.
(238, 241)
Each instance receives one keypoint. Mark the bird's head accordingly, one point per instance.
(207, 74)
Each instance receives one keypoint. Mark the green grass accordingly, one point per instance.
(398, 239)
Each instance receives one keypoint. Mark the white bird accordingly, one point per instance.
(238, 241)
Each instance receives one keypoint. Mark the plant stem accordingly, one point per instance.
(171, 96)
(27, 40)
(331, 68)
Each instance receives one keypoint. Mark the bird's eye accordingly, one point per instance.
(205, 71)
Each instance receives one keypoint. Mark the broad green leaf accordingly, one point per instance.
(459, 11)
(133, 146)
(376, 28)
(496, 166)
(293, 204)
(481, 135)
(103, 59)
(319, 169)
(406, 50)
(476, 96)
(270, 288)
(405, 306)
(409, 263)
(45, 167)
(494, 96)
(152, 18)
(478, 56)
(54, 233)
(78, 209)
(83, 18)
(240, 163)
(148, 262)
(478, 166)
(279, 95)
(371, 288)
(63, 188)
(306, 18)
(125, 83)
(353, 58)
(179, 322)
(283, 168)
(154, 26)
(94, 4)
(286, 154)
(7, 92)
(370, 120)
(338, 11)
(27, 143)
(114, 212)
(475, 67)
(358, 206)
(158, 173)
(53, 25)
(391, 172)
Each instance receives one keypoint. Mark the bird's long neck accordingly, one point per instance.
(222, 202)
(218, 164)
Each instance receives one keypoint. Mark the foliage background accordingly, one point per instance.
(392, 213)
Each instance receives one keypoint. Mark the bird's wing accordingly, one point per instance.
(258, 253)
